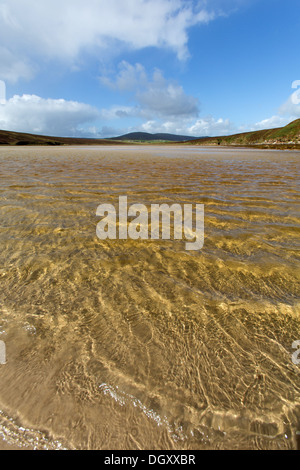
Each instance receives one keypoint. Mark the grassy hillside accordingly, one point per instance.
(282, 137)
(16, 138)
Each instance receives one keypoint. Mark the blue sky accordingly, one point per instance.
(99, 69)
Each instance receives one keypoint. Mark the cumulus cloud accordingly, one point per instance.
(32, 114)
(155, 96)
(128, 78)
(207, 126)
(118, 112)
(272, 123)
(34, 31)
(164, 98)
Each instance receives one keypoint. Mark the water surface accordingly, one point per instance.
(142, 344)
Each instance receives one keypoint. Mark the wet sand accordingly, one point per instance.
(5, 446)
(131, 344)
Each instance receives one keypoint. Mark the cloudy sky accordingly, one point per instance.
(102, 68)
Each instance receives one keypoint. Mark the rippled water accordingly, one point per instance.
(142, 344)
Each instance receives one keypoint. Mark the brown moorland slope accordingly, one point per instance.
(17, 138)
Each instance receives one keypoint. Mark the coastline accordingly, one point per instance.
(259, 146)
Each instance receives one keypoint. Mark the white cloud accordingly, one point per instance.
(156, 96)
(207, 126)
(272, 123)
(32, 31)
(291, 106)
(163, 98)
(129, 78)
(118, 112)
(166, 127)
(32, 114)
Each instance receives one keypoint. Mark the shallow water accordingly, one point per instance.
(142, 344)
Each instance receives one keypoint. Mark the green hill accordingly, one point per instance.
(282, 137)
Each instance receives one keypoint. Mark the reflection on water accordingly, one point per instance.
(141, 344)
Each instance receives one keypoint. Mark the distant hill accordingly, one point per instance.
(281, 137)
(146, 137)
